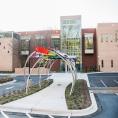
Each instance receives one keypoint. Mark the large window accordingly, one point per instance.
(70, 34)
(16, 36)
(106, 37)
(9, 35)
(6, 34)
(89, 47)
(55, 43)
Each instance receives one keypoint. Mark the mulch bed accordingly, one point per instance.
(80, 98)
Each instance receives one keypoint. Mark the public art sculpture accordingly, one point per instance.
(49, 56)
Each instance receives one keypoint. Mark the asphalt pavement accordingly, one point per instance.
(20, 83)
(108, 102)
(109, 106)
(103, 79)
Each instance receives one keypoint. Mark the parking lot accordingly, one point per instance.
(103, 79)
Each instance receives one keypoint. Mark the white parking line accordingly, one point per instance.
(68, 116)
(50, 116)
(116, 94)
(115, 81)
(104, 76)
(3, 113)
(103, 83)
(28, 115)
(10, 87)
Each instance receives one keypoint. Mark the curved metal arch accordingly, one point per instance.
(28, 60)
(24, 68)
(27, 82)
(39, 73)
(71, 68)
(75, 75)
(42, 69)
(51, 66)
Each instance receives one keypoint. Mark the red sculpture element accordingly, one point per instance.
(41, 50)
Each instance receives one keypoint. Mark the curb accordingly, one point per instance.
(8, 83)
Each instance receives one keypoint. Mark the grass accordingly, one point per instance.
(5, 79)
(79, 99)
(22, 93)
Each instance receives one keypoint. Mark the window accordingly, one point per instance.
(111, 63)
(16, 36)
(8, 51)
(4, 47)
(116, 36)
(101, 37)
(106, 37)
(102, 63)
(0, 43)
(89, 46)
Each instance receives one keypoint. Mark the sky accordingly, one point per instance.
(33, 15)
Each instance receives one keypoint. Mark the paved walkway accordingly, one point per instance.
(52, 98)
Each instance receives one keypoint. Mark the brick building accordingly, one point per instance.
(9, 51)
(89, 49)
(45, 38)
(107, 42)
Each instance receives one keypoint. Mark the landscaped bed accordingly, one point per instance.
(80, 98)
(5, 79)
(22, 93)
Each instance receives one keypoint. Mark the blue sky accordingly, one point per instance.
(27, 15)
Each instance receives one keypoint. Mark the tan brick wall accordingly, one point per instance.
(5, 54)
(9, 56)
(33, 71)
(108, 47)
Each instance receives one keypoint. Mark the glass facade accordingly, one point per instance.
(71, 37)
(9, 35)
(55, 43)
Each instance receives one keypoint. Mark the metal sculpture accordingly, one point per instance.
(50, 55)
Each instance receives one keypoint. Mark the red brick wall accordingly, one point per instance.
(89, 60)
(33, 43)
